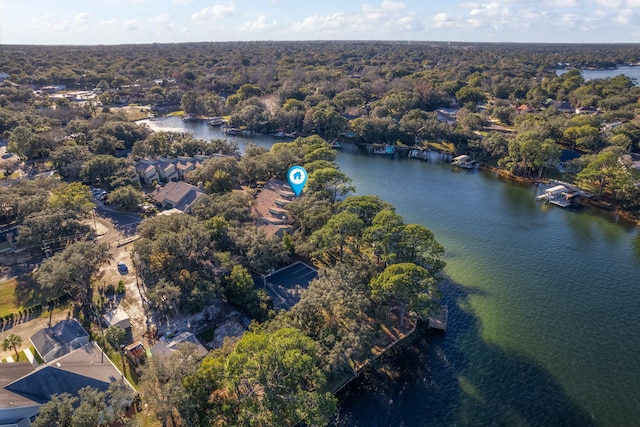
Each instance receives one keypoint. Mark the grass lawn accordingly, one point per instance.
(7, 297)
(176, 113)
(19, 293)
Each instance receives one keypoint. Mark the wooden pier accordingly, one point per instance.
(439, 319)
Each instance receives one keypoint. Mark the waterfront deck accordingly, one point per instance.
(439, 319)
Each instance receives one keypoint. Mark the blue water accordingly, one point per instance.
(629, 71)
(543, 302)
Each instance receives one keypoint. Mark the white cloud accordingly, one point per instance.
(442, 20)
(611, 4)
(212, 13)
(82, 18)
(562, 4)
(62, 26)
(389, 17)
(259, 24)
(392, 5)
(317, 23)
(160, 19)
(131, 25)
(624, 17)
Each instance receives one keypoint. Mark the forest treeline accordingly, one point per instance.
(513, 111)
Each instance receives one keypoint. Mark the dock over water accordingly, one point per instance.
(439, 319)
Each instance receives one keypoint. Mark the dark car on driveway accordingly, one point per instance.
(122, 268)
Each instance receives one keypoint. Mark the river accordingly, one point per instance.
(543, 301)
(631, 71)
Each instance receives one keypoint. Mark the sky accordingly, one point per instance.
(92, 22)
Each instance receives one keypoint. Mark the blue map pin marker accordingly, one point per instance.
(297, 177)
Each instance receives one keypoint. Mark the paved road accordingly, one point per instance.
(120, 224)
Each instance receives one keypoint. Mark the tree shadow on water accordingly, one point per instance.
(458, 379)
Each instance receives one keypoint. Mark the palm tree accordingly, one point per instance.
(13, 341)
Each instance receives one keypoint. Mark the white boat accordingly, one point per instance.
(216, 121)
(384, 150)
(463, 161)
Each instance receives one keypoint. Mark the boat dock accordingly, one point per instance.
(439, 319)
(562, 194)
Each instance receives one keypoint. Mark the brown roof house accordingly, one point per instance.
(178, 195)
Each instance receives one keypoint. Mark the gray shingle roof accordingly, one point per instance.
(86, 366)
(59, 339)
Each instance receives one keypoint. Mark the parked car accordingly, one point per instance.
(122, 268)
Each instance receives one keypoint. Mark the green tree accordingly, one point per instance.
(330, 182)
(104, 171)
(342, 230)
(470, 94)
(114, 335)
(271, 379)
(384, 235)
(332, 311)
(72, 270)
(162, 387)
(57, 412)
(127, 197)
(68, 159)
(602, 172)
(74, 197)
(91, 410)
(27, 143)
(409, 286)
(12, 342)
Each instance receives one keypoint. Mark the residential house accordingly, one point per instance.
(564, 107)
(167, 345)
(146, 170)
(179, 195)
(117, 317)
(166, 170)
(587, 110)
(447, 115)
(184, 165)
(136, 353)
(3, 76)
(60, 339)
(525, 109)
(23, 388)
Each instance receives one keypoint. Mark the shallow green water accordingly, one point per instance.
(543, 300)
(543, 326)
